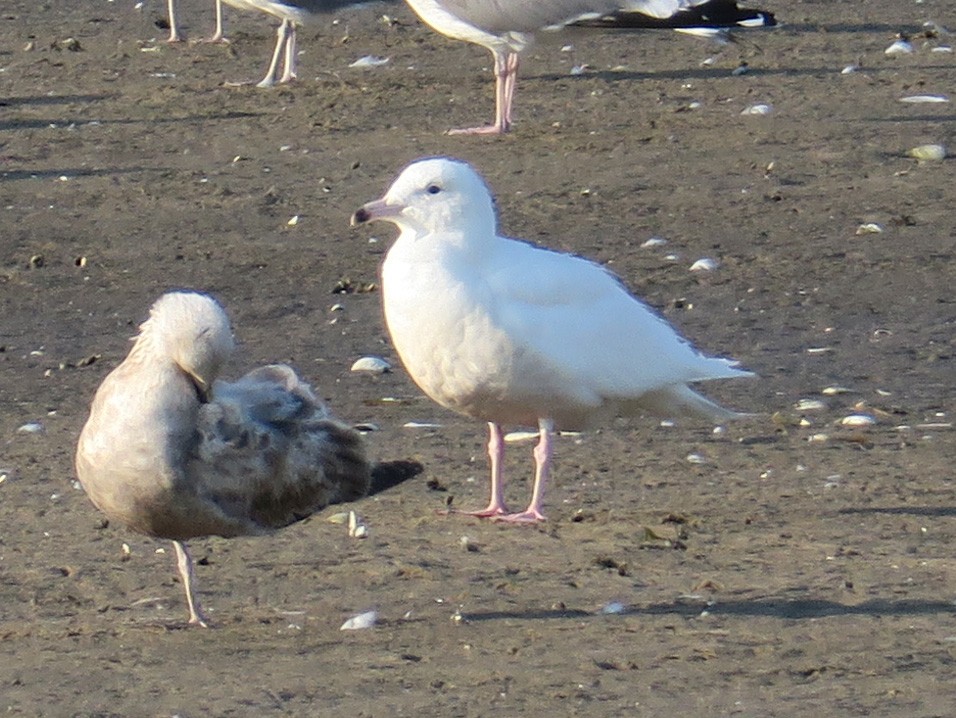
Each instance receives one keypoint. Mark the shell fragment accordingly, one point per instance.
(858, 420)
(362, 620)
(371, 365)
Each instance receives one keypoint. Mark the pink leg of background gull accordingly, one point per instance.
(506, 74)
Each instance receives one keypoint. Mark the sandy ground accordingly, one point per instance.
(804, 568)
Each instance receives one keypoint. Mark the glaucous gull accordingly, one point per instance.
(504, 331)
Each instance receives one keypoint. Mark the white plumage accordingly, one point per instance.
(511, 333)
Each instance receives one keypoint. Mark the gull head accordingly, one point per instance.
(192, 331)
(434, 196)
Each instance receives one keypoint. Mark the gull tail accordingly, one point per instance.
(714, 14)
(387, 474)
(678, 401)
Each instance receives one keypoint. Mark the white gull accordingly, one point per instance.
(506, 28)
(504, 331)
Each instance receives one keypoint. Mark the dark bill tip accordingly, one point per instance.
(361, 217)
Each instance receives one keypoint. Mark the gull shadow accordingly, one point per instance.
(62, 124)
(710, 73)
(905, 510)
(52, 99)
(786, 609)
(72, 173)
(872, 27)
(914, 118)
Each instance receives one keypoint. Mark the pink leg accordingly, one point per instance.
(506, 71)
(219, 35)
(291, 56)
(185, 564)
(509, 93)
(174, 35)
(496, 453)
(542, 472)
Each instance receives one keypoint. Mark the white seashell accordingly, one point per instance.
(929, 153)
(613, 608)
(33, 427)
(942, 48)
(762, 108)
(579, 69)
(420, 425)
(818, 437)
(339, 518)
(819, 350)
(357, 529)
(696, 459)
(293, 221)
(834, 390)
(705, 264)
(900, 47)
(869, 228)
(924, 99)
(810, 405)
(849, 69)
(654, 242)
(370, 61)
(858, 420)
(515, 437)
(362, 620)
(372, 365)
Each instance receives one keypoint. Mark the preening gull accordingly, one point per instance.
(173, 453)
(507, 27)
(511, 333)
(292, 13)
(174, 34)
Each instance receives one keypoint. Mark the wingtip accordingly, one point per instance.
(388, 474)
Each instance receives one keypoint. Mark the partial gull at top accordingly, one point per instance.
(176, 36)
(504, 331)
(506, 28)
(292, 13)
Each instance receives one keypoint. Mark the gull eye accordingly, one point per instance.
(433, 189)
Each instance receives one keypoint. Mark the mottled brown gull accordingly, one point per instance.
(511, 333)
(507, 27)
(173, 453)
